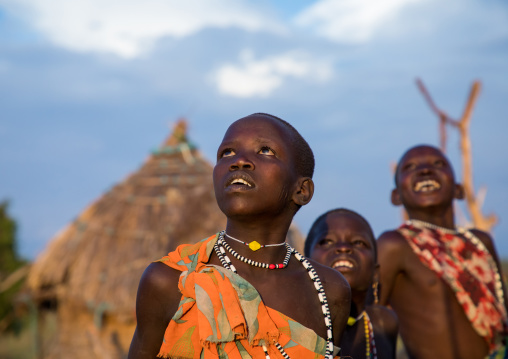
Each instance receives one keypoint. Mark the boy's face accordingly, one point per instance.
(344, 243)
(255, 172)
(425, 179)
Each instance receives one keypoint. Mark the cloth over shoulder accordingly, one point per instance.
(222, 315)
(470, 271)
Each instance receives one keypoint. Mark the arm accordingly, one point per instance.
(156, 302)
(391, 255)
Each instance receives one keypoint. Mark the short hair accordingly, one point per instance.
(397, 168)
(309, 241)
(303, 156)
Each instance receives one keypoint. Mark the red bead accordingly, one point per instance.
(271, 266)
(280, 265)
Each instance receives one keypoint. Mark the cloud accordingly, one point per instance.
(350, 21)
(259, 78)
(129, 27)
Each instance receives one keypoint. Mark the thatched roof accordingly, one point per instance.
(99, 258)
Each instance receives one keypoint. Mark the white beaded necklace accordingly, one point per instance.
(417, 223)
(219, 248)
(471, 237)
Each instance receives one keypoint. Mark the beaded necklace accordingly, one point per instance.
(219, 248)
(259, 264)
(370, 343)
(254, 245)
(417, 223)
(474, 239)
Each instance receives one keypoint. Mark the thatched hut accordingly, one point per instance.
(90, 271)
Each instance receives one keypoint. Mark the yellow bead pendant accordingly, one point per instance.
(351, 321)
(254, 246)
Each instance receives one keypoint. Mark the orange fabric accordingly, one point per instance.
(222, 315)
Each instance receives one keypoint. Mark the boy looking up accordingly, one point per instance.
(244, 292)
(444, 283)
(342, 239)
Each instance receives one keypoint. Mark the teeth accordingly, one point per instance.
(241, 181)
(427, 185)
(338, 264)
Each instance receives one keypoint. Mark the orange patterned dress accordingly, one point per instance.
(221, 315)
(470, 271)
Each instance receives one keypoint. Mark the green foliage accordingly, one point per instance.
(9, 262)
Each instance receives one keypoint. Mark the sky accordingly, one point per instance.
(88, 88)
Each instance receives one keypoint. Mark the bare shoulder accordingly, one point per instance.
(486, 239)
(392, 240)
(336, 286)
(159, 287)
(156, 302)
(338, 293)
(384, 319)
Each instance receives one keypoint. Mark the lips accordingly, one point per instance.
(240, 181)
(426, 186)
(343, 264)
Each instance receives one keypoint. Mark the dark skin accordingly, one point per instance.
(432, 322)
(259, 190)
(344, 242)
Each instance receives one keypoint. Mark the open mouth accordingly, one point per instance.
(239, 182)
(342, 264)
(426, 186)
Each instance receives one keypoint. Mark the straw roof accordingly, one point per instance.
(98, 259)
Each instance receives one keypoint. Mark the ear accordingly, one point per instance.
(304, 191)
(396, 201)
(459, 191)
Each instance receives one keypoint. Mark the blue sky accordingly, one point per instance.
(88, 88)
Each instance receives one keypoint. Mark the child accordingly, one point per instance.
(444, 283)
(244, 292)
(343, 240)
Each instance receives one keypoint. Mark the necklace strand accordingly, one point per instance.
(226, 263)
(474, 239)
(419, 224)
(254, 263)
(254, 245)
(370, 343)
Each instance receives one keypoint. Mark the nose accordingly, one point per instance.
(424, 169)
(343, 247)
(241, 162)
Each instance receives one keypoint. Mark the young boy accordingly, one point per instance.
(444, 283)
(244, 293)
(343, 240)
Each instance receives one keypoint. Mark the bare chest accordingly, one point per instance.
(428, 308)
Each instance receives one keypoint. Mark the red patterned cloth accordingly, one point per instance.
(470, 271)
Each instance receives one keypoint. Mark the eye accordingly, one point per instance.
(359, 242)
(439, 163)
(228, 152)
(409, 166)
(265, 150)
(324, 242)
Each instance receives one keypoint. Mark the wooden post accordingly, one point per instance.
(473, 204)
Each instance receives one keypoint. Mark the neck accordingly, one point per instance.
(267, 232)
(357, 302)
(444, 218)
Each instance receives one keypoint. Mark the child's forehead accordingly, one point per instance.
(258, 127)
(421, 152)
(345, 220)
